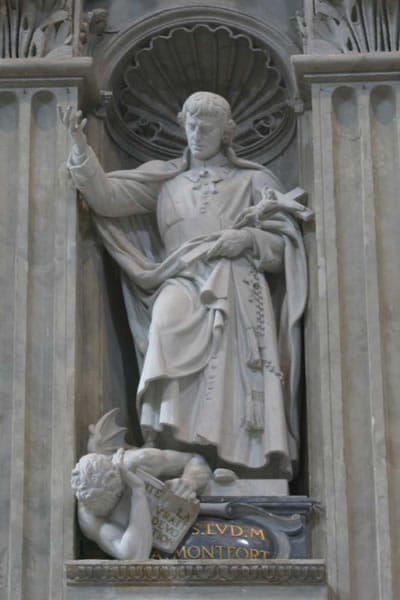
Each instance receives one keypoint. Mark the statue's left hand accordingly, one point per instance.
(230, 244)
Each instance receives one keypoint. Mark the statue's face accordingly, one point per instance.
(204, 135)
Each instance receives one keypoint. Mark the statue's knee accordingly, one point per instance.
(171, 304)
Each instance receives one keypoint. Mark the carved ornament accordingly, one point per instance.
(357, 25)
(92, 27)
(223, 572)
(36, 28)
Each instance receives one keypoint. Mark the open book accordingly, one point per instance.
(172, 515)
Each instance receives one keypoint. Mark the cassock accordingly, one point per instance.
(218, 340)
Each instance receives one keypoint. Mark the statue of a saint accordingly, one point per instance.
(214, 280)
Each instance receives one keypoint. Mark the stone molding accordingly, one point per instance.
(146, 134)
(356, 26)
(309, 69)
(195, 572)
(37, 73)
(34, 67)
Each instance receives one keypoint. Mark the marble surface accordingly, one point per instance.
(246, 487)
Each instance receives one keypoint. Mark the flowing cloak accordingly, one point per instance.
(225, 374)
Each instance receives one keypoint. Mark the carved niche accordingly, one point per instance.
(160, 70)
(357, 25)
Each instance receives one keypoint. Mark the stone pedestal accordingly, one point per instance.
(38, 231)
(353, 319)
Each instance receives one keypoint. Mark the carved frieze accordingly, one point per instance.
(160, 72)
(357, 26)
(224, 572)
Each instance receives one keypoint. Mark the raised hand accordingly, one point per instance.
(73, 122)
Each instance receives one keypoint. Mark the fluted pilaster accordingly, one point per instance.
(354, 318)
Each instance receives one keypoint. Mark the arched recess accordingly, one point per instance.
(264, 45)
(266, 49)
(153, 65)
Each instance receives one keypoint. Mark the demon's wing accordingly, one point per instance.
(106, 437)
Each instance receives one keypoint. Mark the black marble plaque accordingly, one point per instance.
(247, 528)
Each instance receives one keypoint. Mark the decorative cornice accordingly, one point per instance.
(344, 69)
(34, 73)
(14, 67)
(195, 572)
(349, 68)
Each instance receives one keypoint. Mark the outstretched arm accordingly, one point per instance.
(191, 469)
(108, 196)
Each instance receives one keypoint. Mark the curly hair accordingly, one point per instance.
(207, 103)
(97, 482)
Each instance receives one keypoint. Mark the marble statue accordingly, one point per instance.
(131, 499)
(214, 279)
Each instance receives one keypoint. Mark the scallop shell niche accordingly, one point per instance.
(153, 81)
